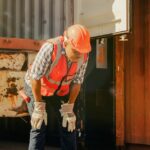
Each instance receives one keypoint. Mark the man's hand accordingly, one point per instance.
(39, 115)
(69, 117)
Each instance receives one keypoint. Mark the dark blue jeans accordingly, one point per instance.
(37, 136)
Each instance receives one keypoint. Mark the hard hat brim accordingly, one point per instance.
(85, 49)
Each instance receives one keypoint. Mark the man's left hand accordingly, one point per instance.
(69, 117)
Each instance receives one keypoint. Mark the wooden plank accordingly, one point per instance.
(147, 69)
(135, 74)
(119, 92)
(20, 44)
(138, 77)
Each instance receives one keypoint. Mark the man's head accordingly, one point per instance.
(76, 41)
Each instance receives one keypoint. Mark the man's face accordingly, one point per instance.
(72, 54)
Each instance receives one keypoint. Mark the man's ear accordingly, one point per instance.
(65, 44)
(65, 41)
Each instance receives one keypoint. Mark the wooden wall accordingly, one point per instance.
(133, 81)
(137, 76)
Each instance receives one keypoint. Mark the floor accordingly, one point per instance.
(137, 147)
(19, 146)
(134, 147)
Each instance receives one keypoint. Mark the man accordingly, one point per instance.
(57, 74)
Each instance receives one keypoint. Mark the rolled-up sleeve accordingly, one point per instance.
(42, 61)
(79, 77)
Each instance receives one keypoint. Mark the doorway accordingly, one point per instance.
(99, 99)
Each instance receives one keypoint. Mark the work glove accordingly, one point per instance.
(69, 117)
(39, 115)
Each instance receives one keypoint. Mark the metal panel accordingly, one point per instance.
(17, 19)
(36, 19)
(31, 57)
(13, 66)
(68, 10)
(10, 84)
(28, 19)
(47, 12)
(58, 17)
(9, 17)
(1, 17)
(12, 61)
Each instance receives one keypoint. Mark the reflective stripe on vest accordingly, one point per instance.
(55, 40)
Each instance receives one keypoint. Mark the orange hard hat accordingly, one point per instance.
(79, 37)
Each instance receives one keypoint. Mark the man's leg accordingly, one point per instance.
(37, 136)
(67, 139)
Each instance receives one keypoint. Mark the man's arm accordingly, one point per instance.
(69, 118)
(76, 84)
(39, 68)
(74, 92)
(36, 90)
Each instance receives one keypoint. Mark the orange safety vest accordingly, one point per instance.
(59, 72)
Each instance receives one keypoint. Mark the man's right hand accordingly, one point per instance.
(39, 115)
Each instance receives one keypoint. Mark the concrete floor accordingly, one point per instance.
(19, 146)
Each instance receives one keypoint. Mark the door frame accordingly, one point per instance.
(120, 93)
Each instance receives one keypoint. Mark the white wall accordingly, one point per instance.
(102, 17)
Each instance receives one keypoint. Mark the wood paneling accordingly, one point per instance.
(119, 92)
(137, 76)
(133, 93)
(137, 147)
(147, 68)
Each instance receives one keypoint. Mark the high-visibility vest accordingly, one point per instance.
(59, 73)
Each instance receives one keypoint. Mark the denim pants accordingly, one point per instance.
(37, 136)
